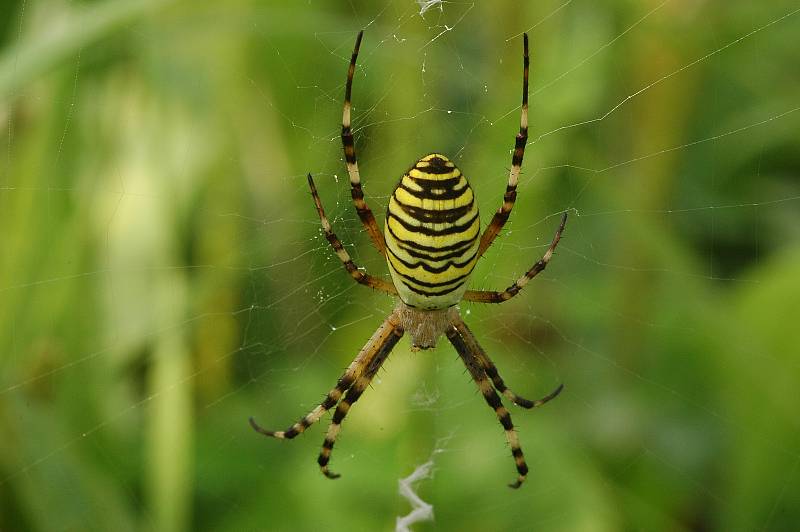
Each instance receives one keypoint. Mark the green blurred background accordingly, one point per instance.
(163, 276)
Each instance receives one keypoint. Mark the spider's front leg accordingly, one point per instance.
(510, 197)
(488, 296)
(349, 146)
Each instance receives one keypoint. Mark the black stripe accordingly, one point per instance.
(427, 194)
(458, 280)
(329, 402)
(348, 144)
(445, 184)
(427, 231)
(435, 215)
(434, 168)
(491, 371)
(428, 183)
(428, 268)
(425, 256)
(458, 245)
(430, 293)
(492, 398)
(347, 136)
(505, 419)
(344, 383)
(519, 147)
(426, 283)
(338, 416)
(435, 163)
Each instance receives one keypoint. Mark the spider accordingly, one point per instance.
(432, 242)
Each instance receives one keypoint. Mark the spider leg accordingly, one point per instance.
(491, 370)
(478, 373)
(502, 214)
(385, 333)
(488, 296)
(364, 212)
(359, 276)
(380, 352)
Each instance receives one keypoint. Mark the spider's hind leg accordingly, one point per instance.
(478, 374)
(491, 370)
(379, 357)
(385, 335)
(342, 385)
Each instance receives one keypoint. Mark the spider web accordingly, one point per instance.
(163, 276)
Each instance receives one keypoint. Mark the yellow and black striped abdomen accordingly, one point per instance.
(432, 234)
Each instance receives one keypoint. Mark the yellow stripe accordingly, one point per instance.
(437, 156)
(410, 183)
(420, 174)
(437, 241)
(406, 198)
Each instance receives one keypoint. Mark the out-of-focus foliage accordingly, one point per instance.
(162, 275)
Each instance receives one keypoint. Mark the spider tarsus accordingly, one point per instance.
(528, 404)
(330, 474)
(552, 395)
(358, 42)
(517, 484)
(259, 428)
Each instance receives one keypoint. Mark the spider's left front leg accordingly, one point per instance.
(359, 276)
(349, 146)
(488, 296)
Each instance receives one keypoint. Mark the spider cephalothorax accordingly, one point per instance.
(424, 327)
(432, 241)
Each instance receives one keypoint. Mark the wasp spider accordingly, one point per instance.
(432, 242)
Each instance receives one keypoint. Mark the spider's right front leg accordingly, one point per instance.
(510, 197)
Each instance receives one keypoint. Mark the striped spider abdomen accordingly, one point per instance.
(432, 234)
